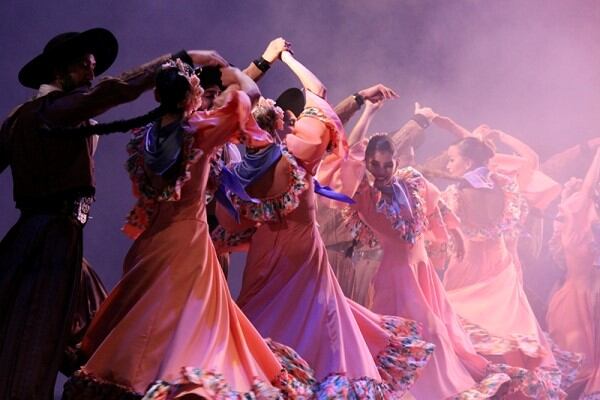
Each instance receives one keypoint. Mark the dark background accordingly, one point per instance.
(531, 68)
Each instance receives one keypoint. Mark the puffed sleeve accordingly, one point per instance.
(232, 122)
(344, 174)
(538, 188)
(317, 130)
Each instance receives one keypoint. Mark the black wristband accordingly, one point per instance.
(421, 120)
(359, 99)
(183, 56)
(262, 64)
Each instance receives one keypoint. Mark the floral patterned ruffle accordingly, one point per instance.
(488, 344)
(398, 364)
(213, 385)
(273, 208)
(568, 362)
(336, 138)
(542, 383)
(485, 389)
(83, 386)
(225, 241)
(409, 229)
(360, 232)
(147, 195)
(545, 382)
(515, 211)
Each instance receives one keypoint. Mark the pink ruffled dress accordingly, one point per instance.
(574, 310)
(170, 327)
(290, 292)
(485, 289)
(406, 284)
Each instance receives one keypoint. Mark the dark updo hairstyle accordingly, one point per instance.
(210, 76)
(475, 150)
(380, 143)
(172, 88)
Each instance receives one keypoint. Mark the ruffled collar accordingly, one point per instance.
(256, 164)
(479, 178)
(405, 211)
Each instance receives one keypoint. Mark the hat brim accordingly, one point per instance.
(292, 99)
(98, 41)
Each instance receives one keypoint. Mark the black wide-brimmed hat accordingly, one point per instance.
(292, 99)
(98, 41)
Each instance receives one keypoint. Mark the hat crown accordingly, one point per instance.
(59, 40)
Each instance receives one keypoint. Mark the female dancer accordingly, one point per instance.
(398, 209)
(171, 318)
(483, 285)
(395, 208)
(574, 311)
(289, 291)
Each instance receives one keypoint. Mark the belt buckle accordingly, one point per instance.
(82, 209)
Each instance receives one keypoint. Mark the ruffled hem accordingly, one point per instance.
(84, 386)
(544, 382)
(490, 345)
(273, 208)
(405, 355)
(568, 363)
(485, 389)
(398, 364)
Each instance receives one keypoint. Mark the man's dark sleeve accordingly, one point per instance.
(81, 105)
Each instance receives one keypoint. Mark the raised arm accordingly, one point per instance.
(351, 104)
(530, 156)
(412, 133)
(449, 125)
(568, 162)
(235, 79)
(81, 105)
(272, 53)
(362, 125)
(309, 80)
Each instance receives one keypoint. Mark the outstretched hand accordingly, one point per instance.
(377, 93)
(373, 106)
(207, 57)
(275, 48)
(427, 112)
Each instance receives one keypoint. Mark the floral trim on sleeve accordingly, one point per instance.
(336, 138)
(147, 195)
(359, 231)
(274, 208)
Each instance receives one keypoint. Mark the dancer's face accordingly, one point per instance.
(208, 97)
(80, 72)
(382, 166)
(457, 164)
(285, 126)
